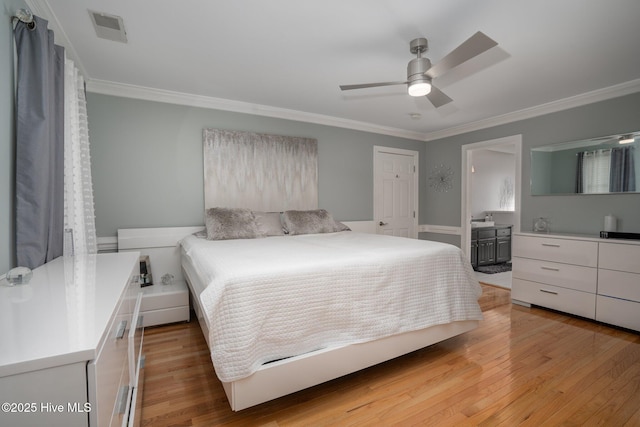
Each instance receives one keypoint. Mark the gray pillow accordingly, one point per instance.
(311, 222)
(269, 223)
(231, 223)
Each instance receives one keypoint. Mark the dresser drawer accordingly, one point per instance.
(618, 312)
(562, 299)
(619, 284)
(136, 334)
(553, 273)
(622, 257)
(109, 373)
(557, 250)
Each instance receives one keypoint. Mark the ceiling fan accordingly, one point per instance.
(420, 72)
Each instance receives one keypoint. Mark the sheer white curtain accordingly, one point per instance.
(79, 217)
(596, 168)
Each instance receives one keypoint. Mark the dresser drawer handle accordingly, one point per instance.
(550, 268)
(548, 292)
(122, 399)
(549, 245)
(122, 327)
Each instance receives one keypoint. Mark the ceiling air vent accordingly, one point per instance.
(110, 27)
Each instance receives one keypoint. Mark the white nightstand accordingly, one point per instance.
(163, 304)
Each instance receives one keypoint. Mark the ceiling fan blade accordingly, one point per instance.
(472, 47)
(437, 97)
(366, 85)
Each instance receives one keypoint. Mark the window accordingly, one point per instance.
(594, 170)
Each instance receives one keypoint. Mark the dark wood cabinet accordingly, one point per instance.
(474, 251)
(490, 245)
(486, 251)
(503, 249)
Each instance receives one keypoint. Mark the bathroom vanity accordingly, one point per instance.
(490, 244)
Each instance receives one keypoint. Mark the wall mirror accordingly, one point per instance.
(601, 165)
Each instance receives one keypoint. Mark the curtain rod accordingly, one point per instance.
(25, 16)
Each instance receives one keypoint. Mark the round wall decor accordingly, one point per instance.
(441, 178)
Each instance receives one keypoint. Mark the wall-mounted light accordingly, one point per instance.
(473, 170)
(626, 139)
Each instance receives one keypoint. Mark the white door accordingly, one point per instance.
(395, 192)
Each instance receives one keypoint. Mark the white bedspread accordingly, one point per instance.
(278, 297)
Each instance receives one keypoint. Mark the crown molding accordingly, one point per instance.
(598, 95)
(42, 9)
(159, 95)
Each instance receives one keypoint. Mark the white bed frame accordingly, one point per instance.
(287, 376)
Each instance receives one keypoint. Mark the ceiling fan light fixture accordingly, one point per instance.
(419, 88)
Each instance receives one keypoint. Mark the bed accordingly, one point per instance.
(286, 296)
(285, 312)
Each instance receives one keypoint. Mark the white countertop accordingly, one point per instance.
(63, 313)
(587, 237)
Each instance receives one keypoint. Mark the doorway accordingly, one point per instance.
(510, 144)
(395, 191)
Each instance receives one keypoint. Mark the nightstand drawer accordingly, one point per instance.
(552, 273)
(162, 304)
(161, 300)
(563, 299)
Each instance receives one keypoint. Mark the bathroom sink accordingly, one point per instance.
(479, 224)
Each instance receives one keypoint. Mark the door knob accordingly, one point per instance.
(382, 223)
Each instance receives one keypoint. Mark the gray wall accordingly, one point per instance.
(148, 171)
(7, 134)
(582, 214)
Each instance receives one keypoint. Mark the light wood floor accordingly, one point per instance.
(520, 367)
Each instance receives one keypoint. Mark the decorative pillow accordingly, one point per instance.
(269, 223)
(311, 222)
(342, 227)
(231, 223)
(202, 234)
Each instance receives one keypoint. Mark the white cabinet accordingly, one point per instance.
(65, 353)
(586, 276)
(162, 304)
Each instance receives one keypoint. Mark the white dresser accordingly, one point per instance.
(582, 275)
(70, 343)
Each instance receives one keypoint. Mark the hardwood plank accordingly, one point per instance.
(520, 367)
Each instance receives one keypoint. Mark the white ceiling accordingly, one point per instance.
(286, 58)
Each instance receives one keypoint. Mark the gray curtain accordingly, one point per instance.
(39, 145)
(579, 172)
(623, 175)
